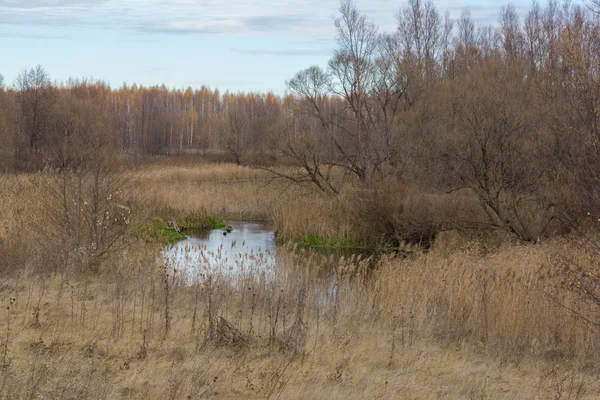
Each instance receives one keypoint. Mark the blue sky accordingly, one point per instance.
(234, 45)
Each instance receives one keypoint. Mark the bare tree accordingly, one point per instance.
(7, 125)
(352, 69)
(35, 100)
(235, 133)
(87, 206)
(466, 50)
(534, 37)
(510, 32)
(466, 29)
(578, 124)
(490, 145)
(365, 74)
(422, 37)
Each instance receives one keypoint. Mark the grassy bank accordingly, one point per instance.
(165, 232)
(391, 215)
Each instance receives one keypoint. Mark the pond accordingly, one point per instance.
(249, 244)
(251, 248)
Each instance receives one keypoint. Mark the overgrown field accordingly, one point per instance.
(474, 317)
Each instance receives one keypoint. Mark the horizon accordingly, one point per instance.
(186, 44)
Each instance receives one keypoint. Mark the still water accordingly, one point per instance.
(251, 249)
(248, 245)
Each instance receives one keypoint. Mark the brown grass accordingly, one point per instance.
(415, 331)
(225, 190)
(515, 298)
(472, 323)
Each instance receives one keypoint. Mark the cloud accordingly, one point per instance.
(35, 18)
(183, 17)
(300, 52)
(18, 35)
(307, 19)
(284, 24)
(189, 27)
(277, 22)
(32, 4)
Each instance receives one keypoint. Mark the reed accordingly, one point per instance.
(235, 328)
(475, 321)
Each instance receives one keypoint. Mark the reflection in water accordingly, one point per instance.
(250, 252)
(248, 262)
(250, 244)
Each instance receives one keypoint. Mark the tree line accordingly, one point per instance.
(508, 112)
(37, 116)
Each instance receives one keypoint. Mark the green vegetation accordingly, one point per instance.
(316, 242)
(157, 229)
(214, 222)
(321, 242)
(248, 219)
(199, 222)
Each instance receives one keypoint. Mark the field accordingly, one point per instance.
(468, 318)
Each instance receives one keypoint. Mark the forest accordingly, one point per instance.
(454, 165)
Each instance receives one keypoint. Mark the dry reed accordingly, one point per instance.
(466, 324)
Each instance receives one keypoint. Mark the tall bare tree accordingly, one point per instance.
(365, 74)
(235, 133)
(7, 125)
(87, 206)
(35, 100)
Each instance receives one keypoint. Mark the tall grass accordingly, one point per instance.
(19, 198)
(144, 320)
(470, 322)
(381, 216)
(222, 190)
(516, 299)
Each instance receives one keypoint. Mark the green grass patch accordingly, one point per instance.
(215, 222)
(198, 222)
(321, 242)
(157, 230)
(248, 219)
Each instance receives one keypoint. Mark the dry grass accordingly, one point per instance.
(19, 196)
(200, 173)
(408, 331)
(397, 211)
(314, 214)
(224, 190)
(515, 298)
(472, 323)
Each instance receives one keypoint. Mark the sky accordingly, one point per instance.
(235, 45)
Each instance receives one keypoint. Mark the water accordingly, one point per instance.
(249, 255)
(248, 245)
(251, 250)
